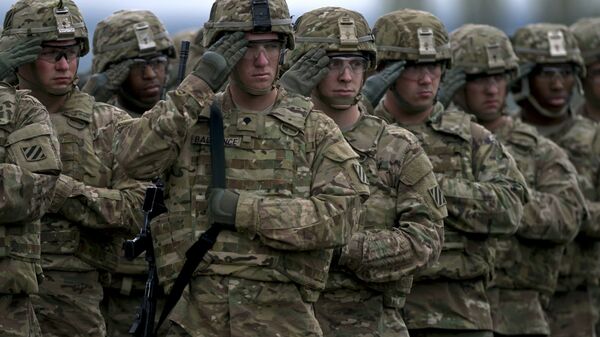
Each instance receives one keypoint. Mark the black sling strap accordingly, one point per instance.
(206, 241)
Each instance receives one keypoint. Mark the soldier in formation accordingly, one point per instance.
(586, 32)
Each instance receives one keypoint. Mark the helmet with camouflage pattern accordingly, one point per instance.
(587, 33)
(258, 16)
(129, 34)
(411, 35)
(483, 49)
(547, 43)
(52, 20)
(334, 29)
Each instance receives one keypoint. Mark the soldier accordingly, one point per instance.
(479, 179)
(94, 201)
(526, 269)
(131, 56)
(551, 63)
(29, 169)
(402, 227)
(588, 40)
(294, 185)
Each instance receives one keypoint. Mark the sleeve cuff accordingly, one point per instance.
(246, 219)
(62, 191)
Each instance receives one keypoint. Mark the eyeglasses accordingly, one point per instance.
(53, 54)
(271, 49)
(416, 71)
(488, 80)
(357, 64)
(564, 72)
(157, 63)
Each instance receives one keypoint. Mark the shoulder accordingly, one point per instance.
(19, 108)
(524, 135)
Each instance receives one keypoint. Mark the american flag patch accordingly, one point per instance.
(437, 195)
(33, 153)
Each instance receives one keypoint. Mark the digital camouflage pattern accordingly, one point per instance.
(483, 49)
(411, 35)
(401, 233)
(547, 43)
(128, 34)
(527, 264)
(236, 15)
(29, 168)
(334, 29)
(94, 207)
(586, 33)
(33, 18)
(291, 166)
(484, 192)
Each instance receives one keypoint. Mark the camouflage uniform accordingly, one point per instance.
(571, 310)
(526, 269)
(402, 227)
(586, 32)
(29, 168)
(299, 197)
(128, 35)
(482, 185)
(94, 202)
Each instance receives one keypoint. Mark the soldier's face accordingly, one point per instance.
(551, 85)
(146, 79)
(591, 84)
(55, 68)
(485, 95)
(344, 79)
(258, 67)
(418, 84)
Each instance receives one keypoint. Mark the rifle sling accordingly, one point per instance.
(196, 252)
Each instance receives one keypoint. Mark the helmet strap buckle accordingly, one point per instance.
(145, 38)
(348, 39)
(426, 44)
(557, 43)
(261, 16)
(64, 23)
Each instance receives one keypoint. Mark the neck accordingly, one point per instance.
(531, 116)
(52, 103)
(247, 101)
(495, 124)
(592, 112)
(343, 118)
(403, 117)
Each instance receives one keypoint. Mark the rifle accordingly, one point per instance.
(143, 325)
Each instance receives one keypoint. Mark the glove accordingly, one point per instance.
(19, 53)
(103, 85)
(453, 80)
(376, 85)
(306, 73)
(216, 63)
(222, 205)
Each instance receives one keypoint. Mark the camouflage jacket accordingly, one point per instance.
(29, 169)
(485, 193)
(402, 227)
(299, 183)
(581, 140)
(95, 203)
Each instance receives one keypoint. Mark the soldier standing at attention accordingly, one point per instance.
(94, 201)
(131, 57)
(402, 228)
(588, 40)
(293, 184)
(527, 264)
(29, 169)
(551, 63)
(483, 187)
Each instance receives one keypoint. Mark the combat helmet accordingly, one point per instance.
(51, 20)
(129, 34)
(334, 29)
(258, 16)
(483, 49)
(545, 43)
(587, 33)
(411, 35)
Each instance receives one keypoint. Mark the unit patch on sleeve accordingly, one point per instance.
(33, 153)
(437, 195)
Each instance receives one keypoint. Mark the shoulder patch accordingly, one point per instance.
(33, 153)
(360, 172)
(437, 195)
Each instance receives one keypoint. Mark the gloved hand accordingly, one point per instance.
(19, 53)
(216, 63)
(222, 205)
(104, 85)
(306, 73)
(453, 80)
(376, 85)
